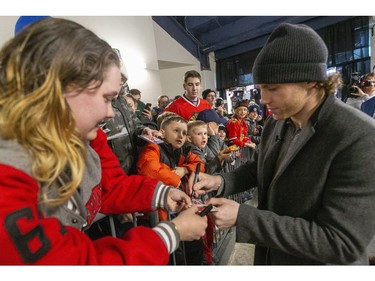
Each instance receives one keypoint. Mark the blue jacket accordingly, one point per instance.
(368, 107)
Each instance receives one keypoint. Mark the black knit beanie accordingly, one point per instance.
(292, 53)
(206, 92)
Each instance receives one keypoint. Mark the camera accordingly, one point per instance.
(359, 82)
(255, 93)
(353, 90)
(356, 80)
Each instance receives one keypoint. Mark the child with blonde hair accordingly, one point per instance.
(172, 162)
(198, 139)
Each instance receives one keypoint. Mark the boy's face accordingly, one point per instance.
(198, 136)
(241, 112)
(222, 134)
(253, 115)
(192, 87)
(175, 134)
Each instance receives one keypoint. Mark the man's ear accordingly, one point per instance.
(311, 85)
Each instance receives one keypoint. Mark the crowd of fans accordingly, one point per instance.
(63, 166)
(206, 135)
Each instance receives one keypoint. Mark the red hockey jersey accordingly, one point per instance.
(186, 109)
(28, 237)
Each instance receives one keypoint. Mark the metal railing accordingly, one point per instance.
(221, 236)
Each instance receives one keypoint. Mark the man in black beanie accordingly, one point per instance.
(314, 175)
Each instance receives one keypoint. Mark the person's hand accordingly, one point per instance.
(250, 144)
(190, 225)
(212, 128)
(151, 133)
(206, 183)
(359, 92)
(224, 156)
(147, 113)
(178, 200)
(225, 215)
(181, 171)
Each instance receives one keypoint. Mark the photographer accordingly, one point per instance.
(368, 106)
(362, 90)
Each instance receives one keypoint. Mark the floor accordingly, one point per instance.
(240, 254)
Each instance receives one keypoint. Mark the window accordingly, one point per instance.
(349, 49)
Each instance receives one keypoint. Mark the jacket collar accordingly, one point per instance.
(304, 136)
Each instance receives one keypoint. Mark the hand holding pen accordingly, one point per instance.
(203, 197)
(202, 183)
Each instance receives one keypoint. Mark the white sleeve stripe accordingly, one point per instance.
(163, 198)
(164, 237)
(158, 193)
(156, 201)
(167, 234)
(160, 199)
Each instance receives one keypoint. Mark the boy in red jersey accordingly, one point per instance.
(189, 105)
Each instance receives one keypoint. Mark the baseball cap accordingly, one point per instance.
(210, 115)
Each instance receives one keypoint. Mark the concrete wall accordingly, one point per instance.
(154, 61)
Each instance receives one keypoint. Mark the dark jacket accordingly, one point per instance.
(368, 107)
(211, 161)
(157, 161)
(122, 132)
(318, 208)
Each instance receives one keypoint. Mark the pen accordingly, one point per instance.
(206, 210)
(196, 177)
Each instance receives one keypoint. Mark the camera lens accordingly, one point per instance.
(353, 90)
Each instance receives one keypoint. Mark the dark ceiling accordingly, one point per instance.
(228, 36)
